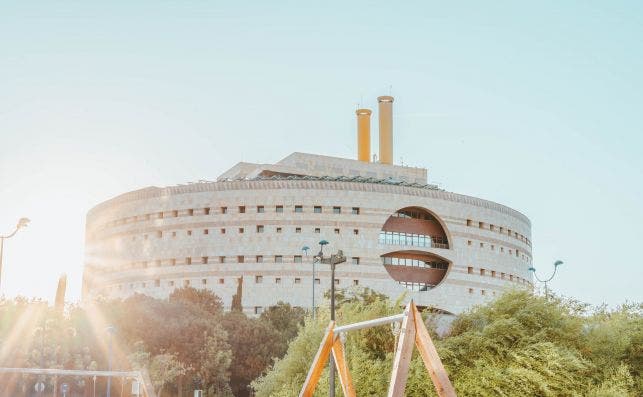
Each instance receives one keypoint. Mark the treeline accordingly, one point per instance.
(518, 345)
(185, 342)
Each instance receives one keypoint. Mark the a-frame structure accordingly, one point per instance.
(413, 332)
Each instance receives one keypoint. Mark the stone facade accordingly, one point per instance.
(210, 234)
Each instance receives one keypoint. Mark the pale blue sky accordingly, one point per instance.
(535, 105)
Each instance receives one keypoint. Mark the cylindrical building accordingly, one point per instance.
(400, 235)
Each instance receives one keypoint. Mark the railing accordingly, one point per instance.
(415, 240)
(388, 260)
(416, 286)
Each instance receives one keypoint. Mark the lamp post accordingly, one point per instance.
(333, 261)
(305, 248)
(22, 223)
(110, 331)
(533, 270)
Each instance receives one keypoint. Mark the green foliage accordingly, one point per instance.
(518, 345)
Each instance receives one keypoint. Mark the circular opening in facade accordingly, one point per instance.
(414, 226)
(416, 270)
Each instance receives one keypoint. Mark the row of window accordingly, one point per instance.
(499, 229)
(241, 209)
(494, 274)
(387, 260)
(482, 292)
(417, 240)
(259, 279)
(516, 252)
(416, 286)
(204, 260)
(240, 230)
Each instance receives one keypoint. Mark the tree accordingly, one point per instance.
(286, 320)
(254, 344)
(202, 298)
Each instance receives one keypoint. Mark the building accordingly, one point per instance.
(246, 231)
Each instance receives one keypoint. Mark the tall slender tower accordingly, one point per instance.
(386, 129)
(363, 134)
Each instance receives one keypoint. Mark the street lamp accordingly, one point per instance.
(22, 223)
(110, 331)
(533, 270)
(333, 261)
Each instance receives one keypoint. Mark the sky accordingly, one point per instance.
(535, 105)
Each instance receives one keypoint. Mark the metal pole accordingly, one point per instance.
(109, 360)
(313, 288)
(332, 311)
(1, 249)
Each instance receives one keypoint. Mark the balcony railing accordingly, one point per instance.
(388, 260)
(415, 240)
(416, 286)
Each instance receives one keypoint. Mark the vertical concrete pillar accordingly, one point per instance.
(363, 134)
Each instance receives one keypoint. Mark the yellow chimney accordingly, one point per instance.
(363, 134)
(386, 129)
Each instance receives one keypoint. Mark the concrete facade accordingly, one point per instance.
(253, 222)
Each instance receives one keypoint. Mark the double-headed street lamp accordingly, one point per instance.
(333, 260)
(533, 270)
(22, 223)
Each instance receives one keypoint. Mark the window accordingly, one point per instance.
(481, 225)
(355, 282)
(469, 222)
(297, 230)
(259, 258)
(356, 231)
(470, 270)
(297, 280)
(502, 276)
(159, 234)
(175, 213)
(299, 208)
(317, 281)
(355, 260)
(189, 232)
(240, 259)
(337, 210)
(186, 283)
(468, 242)
(160, 215)
(355, 211)
(221, 281)
(224, 210)
(501, 229)
(204, 281)
(298, 258)
(204, 260)
(191, 212)
(259, 228)
(509, 252)
(206, 231)
(481, 245)
(173, 262)
(188, 261)
(206, 211)
(173, 234)
(317, 209)
(493, 247)
(336, 281)
(502, 249)
(493, 273)
(157, 283)
(242, 209)
(482, 271)
(260, 209)
(483, 292)
(258, 279)
(240, 230)
(258, 309)
(279, 208)
(471, 290)
(508, 232)
(317, 230)
(492, 228)
(223, 230)
(336, 231)
(170, 283)
(278, 230)
(278, 280)
(279, 259)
